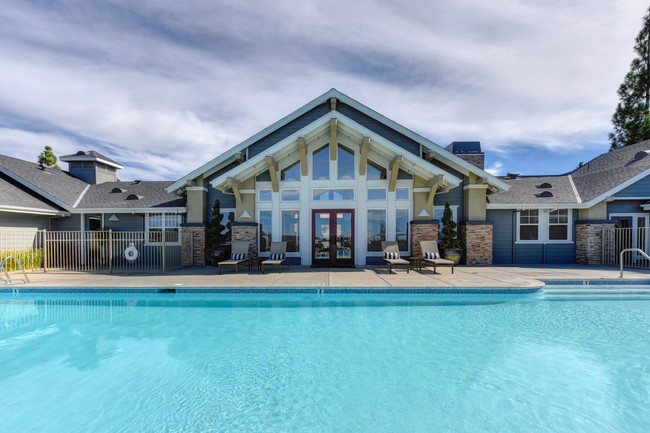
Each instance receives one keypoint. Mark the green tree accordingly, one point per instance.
(449, 233)
(214, 237)
(47, 158)
(631, 119)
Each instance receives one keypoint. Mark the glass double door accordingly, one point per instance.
(333, 237)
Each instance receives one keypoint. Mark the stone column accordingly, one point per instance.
(192, 244)
(422, 230)
(477, 238)
(246, 232)
(589, 241)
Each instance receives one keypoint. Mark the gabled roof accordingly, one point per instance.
(601, 177)
(134, 195)
(17, 198)
(91, 155)
(445, 156)
(57, 186)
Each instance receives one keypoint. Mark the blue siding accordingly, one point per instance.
(625, 206)
(501, 235)
(225, 200)
(388, 133)
(455, 198)
(640, 188)
(288, 129)
(529, 254)
(560, 253)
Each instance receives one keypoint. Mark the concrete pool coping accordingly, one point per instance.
(367, 276)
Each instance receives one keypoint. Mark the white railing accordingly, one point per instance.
(92, 251)
(636, 250)
(7, 279)
(617, 240)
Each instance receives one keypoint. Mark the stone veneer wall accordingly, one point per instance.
(192, 245)
(246, 232)
(589, 241)
(477, 239)
(422, 231)
(476, 159)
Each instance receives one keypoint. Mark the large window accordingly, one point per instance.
(167, 225)
(377, 194)
(290, 195)
(321, 164)
(291, 173)
(558, 225)
(265, 195)
(344, 194)
(402, 194)
(375, 171)
(290, 227)
(376, 228)
(266, 221)
(529, 225)
(402, 228)
(345, 163)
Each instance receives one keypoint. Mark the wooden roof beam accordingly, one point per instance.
(394, 169)
(273, 171)
(363, 161)
(334, 123)
(236, 187)
(434, 183)
(302, 147)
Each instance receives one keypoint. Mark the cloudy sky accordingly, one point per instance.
(164, 86)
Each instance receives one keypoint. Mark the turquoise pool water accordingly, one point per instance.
(323, 363)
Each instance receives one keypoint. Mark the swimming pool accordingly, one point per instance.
(323, 363)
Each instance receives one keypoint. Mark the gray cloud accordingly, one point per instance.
(165, 86)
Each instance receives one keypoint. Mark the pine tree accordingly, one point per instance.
(214, 237)
(632, 116)
(47, 158)
(449, 233)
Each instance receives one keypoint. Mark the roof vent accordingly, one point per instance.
(642, 154)
(117, 191)
(134, 197)
(545, 185)
(512, 175)
(137, 182)
(81, 153)
(545, 194)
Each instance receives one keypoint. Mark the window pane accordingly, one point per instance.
(557, 232)
(528, 233)
(375, 171)
(171, 221)
(377, 194)
(402, 229)
(155, 220)
(401, 193)
(265, 195)
(376, 228)
(560, 216)
(321, 164)
(228, 219)
(266, 222)
(292, 172)
(346, 163)
(321, 194)
(290, 230)
(290, 195)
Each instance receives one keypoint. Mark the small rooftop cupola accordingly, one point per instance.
(92, 167)
(470, 151)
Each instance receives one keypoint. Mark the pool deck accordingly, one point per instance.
(370, 276)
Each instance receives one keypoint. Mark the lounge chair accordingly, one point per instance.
(390, 254)
(431, 255)
(239, 256)
(277, 255)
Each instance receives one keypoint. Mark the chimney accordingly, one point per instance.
(469, 151)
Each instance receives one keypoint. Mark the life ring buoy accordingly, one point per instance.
(131, 252)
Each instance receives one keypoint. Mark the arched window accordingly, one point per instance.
(321, 164)
(346, 163)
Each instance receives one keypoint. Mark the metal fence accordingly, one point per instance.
(616, 240)
(92, 251)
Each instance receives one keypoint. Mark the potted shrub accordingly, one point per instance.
(449, 244)
(215, 241)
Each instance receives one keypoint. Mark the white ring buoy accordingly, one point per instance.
(131, 252)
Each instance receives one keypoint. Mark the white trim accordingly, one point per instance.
(32, 210)
(631, 198)
(525, 206)
(247, 191)
(543, 228)
(575, 190)
(476, 186)
(420, 189)
(81, 196)
(89, 158)
(146, 228)
(196, 188)
(174, 210)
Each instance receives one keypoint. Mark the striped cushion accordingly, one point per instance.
(391, 256)
(430, 255)
(279, 256)
(238, 256)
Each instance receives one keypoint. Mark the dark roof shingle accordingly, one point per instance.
(152, 194)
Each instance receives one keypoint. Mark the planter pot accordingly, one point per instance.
(453, 254)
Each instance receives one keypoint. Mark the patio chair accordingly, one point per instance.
(277, 255)
(390, 254)
(431, 255)
(239, 256)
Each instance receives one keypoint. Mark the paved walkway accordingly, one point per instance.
(301, 276)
